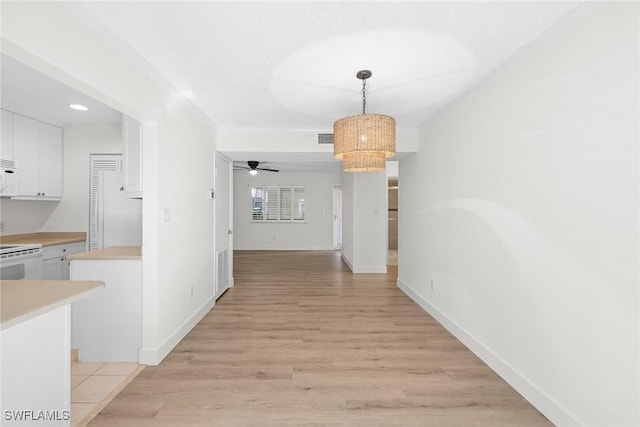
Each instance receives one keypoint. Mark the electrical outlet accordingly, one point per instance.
(1, 226)
(433, 285)
(191, 292)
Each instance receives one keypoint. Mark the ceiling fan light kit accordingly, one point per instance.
(363, 142)
(252, 167)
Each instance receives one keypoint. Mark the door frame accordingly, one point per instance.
(337, 189)
(229, 231)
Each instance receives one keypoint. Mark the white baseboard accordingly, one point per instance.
(282, 248)
(361, 269)
(544, 403)
(153, 356)
(346, 261)
(378, 269)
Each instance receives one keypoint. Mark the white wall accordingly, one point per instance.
(277, 141)
(25, 216)
(348, 218)
(522, 206)
(178, 153)
(80, 141)
(365, 216)
(315, 234)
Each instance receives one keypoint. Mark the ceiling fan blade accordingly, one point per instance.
(267, 169)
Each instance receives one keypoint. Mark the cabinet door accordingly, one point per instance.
(70, 249)
(26, 135)
(66, 269)
(132, 153)
(6, 143)
(50, 161)
(52, 269)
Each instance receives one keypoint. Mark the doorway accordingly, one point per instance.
(223, 176)
(337, 217)
(392, 229)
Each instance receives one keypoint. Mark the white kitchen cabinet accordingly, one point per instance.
(107, 326)
(26, 150)
(132, 155)
(6, 143)
(50, 161)
(52, 269)
(55, 265)
(37, 149)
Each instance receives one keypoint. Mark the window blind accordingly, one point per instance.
(278, 204)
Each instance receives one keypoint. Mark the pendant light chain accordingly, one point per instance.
(364, 95)
(363, 142)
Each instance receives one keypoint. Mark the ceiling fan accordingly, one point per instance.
(252, 167)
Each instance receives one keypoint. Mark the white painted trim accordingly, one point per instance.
(362, 269)
(377, 269)
(347, 261)
(282, 248)
(153, 356)
(538, 398)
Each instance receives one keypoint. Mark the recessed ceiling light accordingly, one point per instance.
(78, 107)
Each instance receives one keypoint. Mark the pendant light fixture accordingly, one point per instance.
(364, 142)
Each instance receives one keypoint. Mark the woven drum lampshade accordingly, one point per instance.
(363, 142)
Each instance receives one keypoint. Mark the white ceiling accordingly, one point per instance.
(291, 65)
(32, 94)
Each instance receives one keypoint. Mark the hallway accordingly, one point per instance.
(300, 340)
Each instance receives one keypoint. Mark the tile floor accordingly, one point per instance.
(94, 385)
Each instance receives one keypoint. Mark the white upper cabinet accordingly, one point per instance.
(50, 161)
(26, 141)
(132, 154)
(6, 143)
(37, 149)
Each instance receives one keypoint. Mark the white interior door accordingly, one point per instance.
(223, 224)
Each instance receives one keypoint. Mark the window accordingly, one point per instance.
(278, 204)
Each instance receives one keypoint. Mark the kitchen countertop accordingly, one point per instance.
(45, 238)
(22, 300)
(111, 253)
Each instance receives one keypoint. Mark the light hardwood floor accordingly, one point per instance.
(299, 341)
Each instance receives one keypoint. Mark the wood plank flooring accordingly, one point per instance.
(301, 341)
